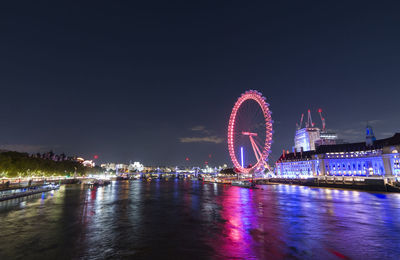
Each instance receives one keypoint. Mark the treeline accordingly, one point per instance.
(15, 164)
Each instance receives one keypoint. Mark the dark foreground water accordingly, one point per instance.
(192, 220)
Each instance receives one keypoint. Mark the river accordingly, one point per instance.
(179, 219)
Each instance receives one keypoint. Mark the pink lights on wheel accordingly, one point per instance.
(262, 154)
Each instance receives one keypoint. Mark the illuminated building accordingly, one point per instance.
(370, 158)
(121, 168)
(109, 166)
(310, 137)
(136, 167)
(88, 163)
(305, 139)
(327, 138)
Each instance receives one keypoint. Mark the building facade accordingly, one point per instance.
(305, 139)
(379, 158)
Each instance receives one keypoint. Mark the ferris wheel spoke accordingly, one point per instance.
(256, 115)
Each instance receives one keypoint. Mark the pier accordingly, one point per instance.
(13, 194)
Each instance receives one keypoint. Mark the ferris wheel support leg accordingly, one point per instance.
(257, 150)
(254, 149)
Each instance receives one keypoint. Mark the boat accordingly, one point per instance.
(134, 177)
(122, 178)
(244, 184)
(98, 183)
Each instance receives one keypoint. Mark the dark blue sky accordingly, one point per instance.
(128, 80)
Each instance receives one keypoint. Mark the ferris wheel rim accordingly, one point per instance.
(261, 101)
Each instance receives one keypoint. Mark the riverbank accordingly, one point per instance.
(354, 183)
(23, 192)
(15, 184)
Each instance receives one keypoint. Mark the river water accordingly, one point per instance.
(195, 220)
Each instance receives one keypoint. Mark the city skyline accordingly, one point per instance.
(199, 129)
(137, 81)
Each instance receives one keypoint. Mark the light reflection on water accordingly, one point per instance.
(195, 220)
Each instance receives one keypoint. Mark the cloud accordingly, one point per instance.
(26, 148)
(352, 131)
(198, 128)
(371, 122)
(374, 122)
(201, 129)
(350, 134)
(387, 134)
(205, 139)
(206, 136)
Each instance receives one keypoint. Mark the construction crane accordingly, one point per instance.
(322, 119)
(301, 122)
(309, 120)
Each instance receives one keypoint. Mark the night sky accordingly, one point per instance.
(155, 81)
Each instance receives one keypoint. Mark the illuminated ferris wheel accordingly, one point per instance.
(250, 132)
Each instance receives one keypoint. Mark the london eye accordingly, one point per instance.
(250, 132)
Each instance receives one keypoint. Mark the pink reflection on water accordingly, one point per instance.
(246, 233)
(236, 242)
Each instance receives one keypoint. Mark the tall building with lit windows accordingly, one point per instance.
(308, 139)
(305, 139)
(370, 158)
